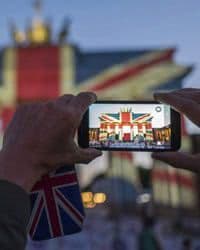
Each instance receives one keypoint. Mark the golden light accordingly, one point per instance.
(99, 198)
(90, 204)
(39, 35)
(87, 197)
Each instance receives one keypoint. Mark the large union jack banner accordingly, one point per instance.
(41, 73)
(56, 205)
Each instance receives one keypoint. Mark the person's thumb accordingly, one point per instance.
(85, 155)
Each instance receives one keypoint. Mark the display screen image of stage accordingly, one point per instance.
(137, 126)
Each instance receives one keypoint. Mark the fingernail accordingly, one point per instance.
(95, 151)
(98, 152)
(94, 96)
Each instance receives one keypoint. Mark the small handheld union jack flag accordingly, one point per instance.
(56, 205)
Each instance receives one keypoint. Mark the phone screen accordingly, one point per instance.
(145, 126)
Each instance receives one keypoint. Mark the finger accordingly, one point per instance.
(82, 101)
(82, 156)
(190, 93)
(185, 90)
(185, 105)
(64, 99)
(86, 155)
(179, 160)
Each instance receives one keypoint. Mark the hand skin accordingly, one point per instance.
(186, 101)
(40, 138)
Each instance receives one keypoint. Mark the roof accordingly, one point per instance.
(89, 64)
(117, 116)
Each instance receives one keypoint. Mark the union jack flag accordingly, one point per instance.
(40, 73)
(140, 118)
(56, 205)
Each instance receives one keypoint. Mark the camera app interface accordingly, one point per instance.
(138, 126)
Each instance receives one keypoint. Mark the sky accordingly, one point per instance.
(160, 119)
(117, 24)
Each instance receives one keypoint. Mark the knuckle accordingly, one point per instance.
(70, 112)
(49, 105)
(48, 108)
(28, 106)
(22, 109)
(88, 94)
(67, 96)
(64, 99)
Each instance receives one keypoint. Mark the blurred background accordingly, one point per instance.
(120, 50)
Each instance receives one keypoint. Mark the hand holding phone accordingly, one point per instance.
(187, 102)
(133, 126)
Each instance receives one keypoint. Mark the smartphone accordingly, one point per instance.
(130, 126)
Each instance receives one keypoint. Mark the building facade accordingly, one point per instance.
(125, 126)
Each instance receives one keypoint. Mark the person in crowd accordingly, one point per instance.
(187, 244)
(147, 238)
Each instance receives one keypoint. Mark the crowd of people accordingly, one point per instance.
(129, 232)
